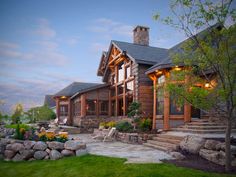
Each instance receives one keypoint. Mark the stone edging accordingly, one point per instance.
(19, 150)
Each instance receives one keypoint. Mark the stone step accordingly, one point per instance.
(202, 127)
(201, 131)
(204, 124)
(170, 137)
(161, 148)
(163, 144)
(162, 139)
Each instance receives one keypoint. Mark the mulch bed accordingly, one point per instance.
(198, 163)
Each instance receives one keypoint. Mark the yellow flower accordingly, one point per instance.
(22, 130)
(63, 135)
(50, 135)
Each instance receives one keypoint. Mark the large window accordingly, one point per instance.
(91, 107)
(130, 86)
(63, 110)
(128, 72)
(160, 101)
(113, 107)
(120, 89)
(121, 72)
(174, 108)
(77, 108)
(103, 107)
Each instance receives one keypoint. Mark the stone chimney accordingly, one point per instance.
(141, 35)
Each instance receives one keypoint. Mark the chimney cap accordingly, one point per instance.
(139, 26)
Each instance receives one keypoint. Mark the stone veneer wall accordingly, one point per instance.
(87, 124)
(134, 138)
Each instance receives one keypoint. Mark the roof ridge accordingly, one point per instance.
(139, 44)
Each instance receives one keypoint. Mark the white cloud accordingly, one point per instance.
(111, 27)
(72, 40)
(44, 29)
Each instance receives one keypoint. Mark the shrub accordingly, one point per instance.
(124, 126)
(145, 124)
(111, 124)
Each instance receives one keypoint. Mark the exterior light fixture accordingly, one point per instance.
(177, 68)
(63, 97)
(207, 85)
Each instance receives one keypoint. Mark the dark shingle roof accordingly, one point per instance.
(74, 88)
(167, 62)
(142, 54)
(90, 89)
(48, 100)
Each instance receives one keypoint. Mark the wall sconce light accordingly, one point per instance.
(177, 68)
(207, 85)
(63, 97)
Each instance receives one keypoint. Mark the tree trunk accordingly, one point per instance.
(227, 145)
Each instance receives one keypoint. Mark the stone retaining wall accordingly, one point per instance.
(133, 138)
(19, 150)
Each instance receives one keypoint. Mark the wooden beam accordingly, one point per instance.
(97, 104)
(83, 105)
(166, 110)
(154, 104)
(70, 116)
(116, 89)
(58, 108)
(187, 112)
(124, 92)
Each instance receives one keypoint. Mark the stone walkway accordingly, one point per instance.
(133, 153)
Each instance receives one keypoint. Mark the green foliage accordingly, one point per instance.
(40, 113)
(145, 124)
(134, 110)
(124, 126)
(18, 112)
(107, 124)
(26, 127)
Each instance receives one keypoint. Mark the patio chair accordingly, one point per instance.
(110, 135)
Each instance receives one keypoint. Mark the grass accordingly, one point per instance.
(26, 127)
(96, 166)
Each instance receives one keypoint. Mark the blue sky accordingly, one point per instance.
(45, 45)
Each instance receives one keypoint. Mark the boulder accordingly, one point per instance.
(81, 152)
(74, 145)
(29, 144)
(54, 155)
(66, 152)
(4, 141)
(177, 155)
(8, 154)
(221, 146)
(17, 147)
(192, 144)
(55, 145)
(17, 157)
(48, 150)
(211, 144)
(213, 156)
(47, 157)
(40, 155)
(233, 163)
(27, 153)
(8, 147)
(41, 146)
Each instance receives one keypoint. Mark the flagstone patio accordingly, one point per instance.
(133, 153)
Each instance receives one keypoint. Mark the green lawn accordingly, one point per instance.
(95, 166)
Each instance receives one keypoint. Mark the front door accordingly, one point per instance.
(195, 113)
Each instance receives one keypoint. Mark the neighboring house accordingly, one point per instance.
(50, 102)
